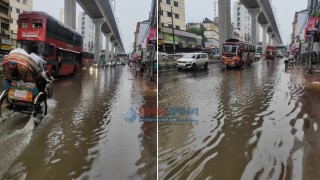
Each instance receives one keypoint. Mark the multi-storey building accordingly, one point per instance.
(5, 42)
(242, 21)
(177, 13)
(61, 18)
(87, 29)
(17, 7)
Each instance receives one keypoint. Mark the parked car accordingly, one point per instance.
(193, 60)
(257, 56)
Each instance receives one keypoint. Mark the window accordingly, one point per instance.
(169, 14)
(161, 12)
(168, 1)
(177, 27)
(170, 25)
(11, 20)
(18, 11)
(176, 4)
(176, 16)
(37, 23)
(24, 1)
(18, 0)
(23, 22)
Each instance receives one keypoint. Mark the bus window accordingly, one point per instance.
(37, 23)
(24, 22)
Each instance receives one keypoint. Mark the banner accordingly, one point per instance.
(207, 45)
(311, 24)
(153, 34)
(168, 38)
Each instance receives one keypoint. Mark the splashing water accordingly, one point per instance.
(13, 144)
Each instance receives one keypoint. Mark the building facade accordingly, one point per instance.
(87, 29)
(61, 14)
(211, 32)
(242, 21)
(17, 7)
(5, 34)
(178, 14)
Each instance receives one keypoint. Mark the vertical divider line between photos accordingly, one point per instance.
(157, 57)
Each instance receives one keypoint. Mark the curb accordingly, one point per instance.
(172, 65)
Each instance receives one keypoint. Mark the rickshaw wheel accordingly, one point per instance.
(40, 109)
(4, 110)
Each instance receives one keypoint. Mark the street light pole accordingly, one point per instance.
(174, 43)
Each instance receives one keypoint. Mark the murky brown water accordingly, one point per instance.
(256, 122)
(84, 135)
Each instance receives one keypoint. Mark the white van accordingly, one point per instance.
(193, 60)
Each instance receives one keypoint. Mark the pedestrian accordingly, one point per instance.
(317, 29)
(137, 68)
(142, 69)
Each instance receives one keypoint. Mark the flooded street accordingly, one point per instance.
(85, 134)
(258, 122)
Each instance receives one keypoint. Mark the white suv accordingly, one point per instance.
(193, 60)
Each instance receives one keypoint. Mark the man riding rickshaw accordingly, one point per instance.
(24, 86)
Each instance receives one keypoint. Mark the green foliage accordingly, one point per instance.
(198, 31)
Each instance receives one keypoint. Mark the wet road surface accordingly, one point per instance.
(258, 122)
(84, 135)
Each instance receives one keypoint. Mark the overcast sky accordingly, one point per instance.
(129, 13)
(197, 10)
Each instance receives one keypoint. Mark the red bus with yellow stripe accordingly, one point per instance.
(237, 53)
(61, 44)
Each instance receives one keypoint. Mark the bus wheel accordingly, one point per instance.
(53, 72)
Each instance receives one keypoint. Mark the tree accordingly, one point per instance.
(199, 32)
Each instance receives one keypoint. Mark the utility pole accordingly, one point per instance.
(174, 43)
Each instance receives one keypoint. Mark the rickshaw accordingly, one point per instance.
(24, 88)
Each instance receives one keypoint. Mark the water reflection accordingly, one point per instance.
(85, 136)
(251, 125)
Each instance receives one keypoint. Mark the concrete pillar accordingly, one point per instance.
(254, 12)
(112, 49)
(107, 50)
(225, 27)
(269, 38)
(70, 13)
(97, 22)
(264, 37)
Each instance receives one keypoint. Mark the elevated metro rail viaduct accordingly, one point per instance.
(261, 13)
(101, 13)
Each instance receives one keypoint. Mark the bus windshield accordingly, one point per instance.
(230, 49)
(26, 45)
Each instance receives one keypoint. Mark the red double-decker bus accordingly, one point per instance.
(61, 44)
(270, 53)
(87, 59)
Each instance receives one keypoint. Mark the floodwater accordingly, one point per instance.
(258, 122)
(85, 134)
